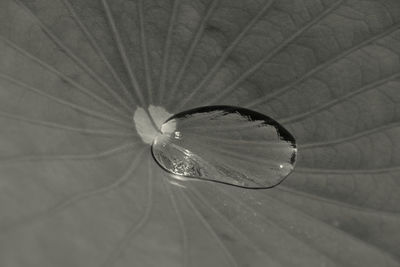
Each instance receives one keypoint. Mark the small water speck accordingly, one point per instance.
(178, 135)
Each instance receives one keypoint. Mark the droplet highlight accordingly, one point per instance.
(226, 144)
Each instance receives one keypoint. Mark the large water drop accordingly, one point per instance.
(226, 144)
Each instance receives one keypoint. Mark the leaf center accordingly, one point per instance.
(148, 122)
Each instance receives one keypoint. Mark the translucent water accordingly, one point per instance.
(226, 144)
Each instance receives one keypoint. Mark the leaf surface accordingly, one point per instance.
(78, 187)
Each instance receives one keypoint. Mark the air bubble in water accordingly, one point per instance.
(226, 144)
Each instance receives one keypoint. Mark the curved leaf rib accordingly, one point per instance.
(71, 105)
(349, 138)
(209, 228)
(251, 70)
(76, 59)
(75, 157)
(167, 48)
(123, 53)
(265, 99)
(188, 56)
(145, 52)
(315, 110)
(62, 205)
(343, 204)
(181, 223)
(226, 220)
(217, 65)
(63, 76)
(98, 50)
(58, 126)
(129, 235)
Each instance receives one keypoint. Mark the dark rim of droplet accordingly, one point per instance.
(253, 115)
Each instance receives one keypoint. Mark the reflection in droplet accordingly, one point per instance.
(226, 144)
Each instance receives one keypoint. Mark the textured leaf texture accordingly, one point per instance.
(78, 187)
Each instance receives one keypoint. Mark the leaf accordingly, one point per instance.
(78, 187)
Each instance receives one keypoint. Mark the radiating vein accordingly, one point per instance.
(189, 54)
(62, 126)
(380, 213)
(134, 228)
(334, 229)
(75, 58)
(217, 65)
(67, 202)
(145, 52)
(209, 228)
(71, 105)
(207, 203)
(347, 171)
(319, 67)
(279, 227)
(252, 69)
(62, 76)
(122, 51)
(75, 157)
(167, 48)
(98, 50)
(350, 138)
(317, 109)
(181, 223)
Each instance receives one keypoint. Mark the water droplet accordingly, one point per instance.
(226, 144)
